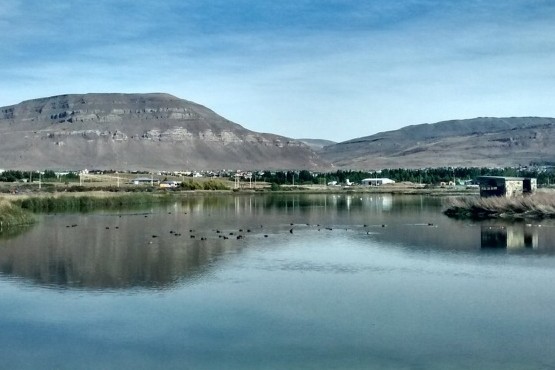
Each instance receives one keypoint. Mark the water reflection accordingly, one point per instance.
(517, 236)
(12, 232)
(181, 242)
(132, 252)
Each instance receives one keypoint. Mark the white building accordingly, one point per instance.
(377, 181)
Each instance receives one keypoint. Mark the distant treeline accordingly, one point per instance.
(16, 175)
(432, 176)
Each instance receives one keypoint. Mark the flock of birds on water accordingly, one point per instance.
(240, 233)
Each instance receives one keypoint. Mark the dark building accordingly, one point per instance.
(499, 186)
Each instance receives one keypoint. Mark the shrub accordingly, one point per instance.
(538, 205)
(12, 215)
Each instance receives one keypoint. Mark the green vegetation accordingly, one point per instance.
(86, 203)
(424, 176)
(26, 181)
(13, 215)
(16, 175)
(538, 205)
(203, 185)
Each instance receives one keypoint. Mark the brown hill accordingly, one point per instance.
(474, 142)
(137, 132)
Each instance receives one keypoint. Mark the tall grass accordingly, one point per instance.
(84, 203)
(538, 205)
(13, 215)
(204, 185)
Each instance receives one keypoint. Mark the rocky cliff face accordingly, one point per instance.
(137, 131)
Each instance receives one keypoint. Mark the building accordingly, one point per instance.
(377, 181)
(145, 181)
(499, 186)
(169, 184)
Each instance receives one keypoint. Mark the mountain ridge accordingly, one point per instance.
(482, 141)
(157, 131)
(137, 131)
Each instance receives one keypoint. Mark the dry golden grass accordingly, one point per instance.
(13, 215)
(538, 205)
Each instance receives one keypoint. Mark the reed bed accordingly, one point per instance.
(89, 202)
(204, 185)
(538, 205)
(13, 215)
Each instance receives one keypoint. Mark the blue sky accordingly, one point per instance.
(330, 69)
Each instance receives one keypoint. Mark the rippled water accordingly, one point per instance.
(278, 282)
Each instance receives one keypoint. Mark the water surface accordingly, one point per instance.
(274, 282)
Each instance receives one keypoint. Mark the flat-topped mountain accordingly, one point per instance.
(466, 143)
(137, 131)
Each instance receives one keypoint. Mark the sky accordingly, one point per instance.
(327, 69)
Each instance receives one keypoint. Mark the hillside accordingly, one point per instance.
(137, 132)
(466, 143)
(317, 144)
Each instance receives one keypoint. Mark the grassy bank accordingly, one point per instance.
(538, 205)
(88, 202)
(13, 215)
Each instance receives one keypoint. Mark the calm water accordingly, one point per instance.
(313, 282)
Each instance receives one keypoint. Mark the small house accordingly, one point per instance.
(145, 181)
(168, 184)
(499, 186)
(377, 181)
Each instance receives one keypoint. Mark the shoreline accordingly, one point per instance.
(540, 205)
(17, 209)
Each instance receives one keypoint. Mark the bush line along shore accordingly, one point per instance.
(535, 206)
(18, 211)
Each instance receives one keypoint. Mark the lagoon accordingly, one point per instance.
(291, 281)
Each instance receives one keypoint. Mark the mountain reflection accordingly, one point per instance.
(138, 252)
(170, 244)
(181, 242)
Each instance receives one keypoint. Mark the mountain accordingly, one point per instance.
(467, 143)
(317, 144)
(137, 132)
